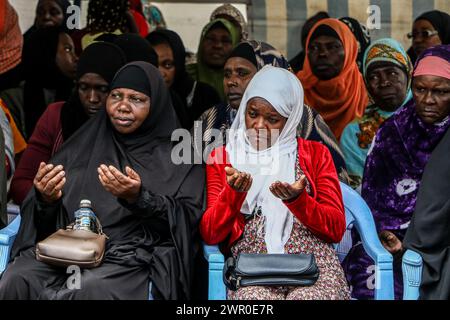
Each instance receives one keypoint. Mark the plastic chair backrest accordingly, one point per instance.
(358, 213)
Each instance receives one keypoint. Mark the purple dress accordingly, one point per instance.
(391, 180)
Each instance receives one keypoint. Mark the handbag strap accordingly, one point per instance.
(97, 222)
(229, 278)
(100, 228)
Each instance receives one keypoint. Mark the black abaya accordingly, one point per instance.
(154, 239)
(428, 233)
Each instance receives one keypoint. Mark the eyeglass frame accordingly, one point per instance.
(424, 34)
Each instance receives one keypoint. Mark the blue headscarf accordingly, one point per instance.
(401, 150)
(358, 135)
(389, 50)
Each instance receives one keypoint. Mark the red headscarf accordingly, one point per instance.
(137, 11)
(341, 99)
(11, 39)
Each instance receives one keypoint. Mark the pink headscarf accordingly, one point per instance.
(433, 66)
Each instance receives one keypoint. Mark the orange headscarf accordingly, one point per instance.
(341, 99)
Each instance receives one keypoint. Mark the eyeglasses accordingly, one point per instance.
(423, 34)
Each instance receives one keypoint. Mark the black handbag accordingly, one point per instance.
(270, 270)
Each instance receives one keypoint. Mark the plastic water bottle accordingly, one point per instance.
(85, 218)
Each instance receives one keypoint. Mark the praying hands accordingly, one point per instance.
(286, 191)
(122, 186)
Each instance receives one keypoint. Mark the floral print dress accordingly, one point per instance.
(331, 284)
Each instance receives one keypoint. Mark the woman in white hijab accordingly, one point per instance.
(270, 192)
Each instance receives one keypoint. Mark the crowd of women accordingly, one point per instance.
(90, 114)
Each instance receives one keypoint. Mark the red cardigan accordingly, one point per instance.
(322, 213)
(46, 140)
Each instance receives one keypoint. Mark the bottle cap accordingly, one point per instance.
(85, 203)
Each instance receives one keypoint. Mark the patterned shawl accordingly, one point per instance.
(395, 165)
(358, 135)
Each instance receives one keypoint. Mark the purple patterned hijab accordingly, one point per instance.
(394, 167)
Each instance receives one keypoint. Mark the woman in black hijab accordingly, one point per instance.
(102, 59)
(135, 48)
(49, 63)
(148, 206)
(96, 69)
(429, 29)
(428, 233)
(49, 13)
(196, 97)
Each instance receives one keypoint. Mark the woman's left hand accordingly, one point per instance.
(286, 191)
(122, 186)
(390, 242)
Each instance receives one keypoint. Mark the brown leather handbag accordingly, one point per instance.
(66, 247)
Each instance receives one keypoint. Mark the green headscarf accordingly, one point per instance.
(200, 71)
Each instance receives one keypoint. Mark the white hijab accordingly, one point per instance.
(284, 92)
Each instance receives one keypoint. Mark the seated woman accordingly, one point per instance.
(282, 196)
(387, 72)
(432, 212)
(395, 165)
(217, 40)
(330, 75)
(49, 66)
(149, 207)
(49, 13)
(97, 66)
(245, 60)
(429, 29)
(196, 96)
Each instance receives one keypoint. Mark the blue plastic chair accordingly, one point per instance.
(358, 214)
(8, 235)
(412, 274)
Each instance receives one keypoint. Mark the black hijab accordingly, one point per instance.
(428, 232)
(63, 4)
(164, 242)
(440, 21)
(183, 82)
(101, 58)
(136, 48)
(245, 50)
(204, 95)
(41, 72)
(148, 149)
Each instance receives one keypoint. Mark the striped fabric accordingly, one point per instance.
(279, 22)
(11, 39)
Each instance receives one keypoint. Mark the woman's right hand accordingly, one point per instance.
(49, 181)
(239, 181)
